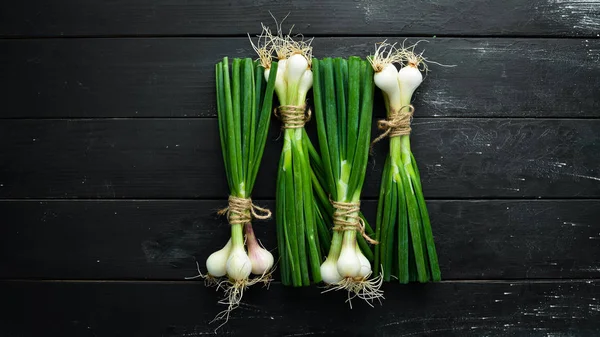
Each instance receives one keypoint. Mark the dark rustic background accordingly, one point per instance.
(111, 172)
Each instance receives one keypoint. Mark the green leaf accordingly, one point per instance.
(264, 119)
(379, 220)
(403, 237)
(246, 110)
(230, 127)
(354, 81)
(340, 78)
(361, 155)
(331, 121)
(222, 120)
(299, 205)
(319, 115)
(434, 266)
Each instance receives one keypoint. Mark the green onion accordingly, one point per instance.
(297, 225)
(244, 106)
(343, 100)
(407, 250)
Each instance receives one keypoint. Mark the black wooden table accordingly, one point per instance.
(111, 172)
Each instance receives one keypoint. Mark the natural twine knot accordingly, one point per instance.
(241, 211)
(397, 123)
(292, 116)
(345, 218)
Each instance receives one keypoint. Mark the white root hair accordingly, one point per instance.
(286, 45)
(264, 46)
(385, 54)
(415, 59)
(278, 40)
(209, 280)
(364, 288)
(234, 291)
(403, 55)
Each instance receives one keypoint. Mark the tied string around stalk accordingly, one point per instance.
(345, 218)
(397, 124)
(292, 116)
(242, 210)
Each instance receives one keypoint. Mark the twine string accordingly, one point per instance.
(293, 116)
(242, 210)
(397, 124)
(346, 218)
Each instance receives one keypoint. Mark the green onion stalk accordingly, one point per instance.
(407, 248)
(298, 240)
(343, 100)
(244, 104)
(324, 209)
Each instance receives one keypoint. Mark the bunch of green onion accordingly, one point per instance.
(300, 253)
(343, 100)
(244, 103)
(407, 249)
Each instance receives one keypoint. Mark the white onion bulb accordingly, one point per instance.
(365, 265)
(329, 272)
(387, 81)
(239, 266)
(217, 262)
(306, 83)
(261, 259)
(409, 79)
(348, 264)
(281, 80)
(297, 64)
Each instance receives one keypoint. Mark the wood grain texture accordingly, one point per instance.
(181, 158)
(330, 17)
(175, 77)
(161, 240)
(184, 309)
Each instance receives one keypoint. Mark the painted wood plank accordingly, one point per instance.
(175, 77)
(162, 239)
(546, 308)
(373, 17)
(181, 158)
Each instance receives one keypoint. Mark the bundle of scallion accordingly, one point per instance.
(244, 103)
(300, 253)
(343, 100)
(407, 249)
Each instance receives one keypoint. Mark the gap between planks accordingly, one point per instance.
(278, 283)
(224, 198)
(198, 118)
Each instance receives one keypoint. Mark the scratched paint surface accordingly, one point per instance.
(329, 17)
(578, 13)
(128, 158)
(500, 308)
(499, 77)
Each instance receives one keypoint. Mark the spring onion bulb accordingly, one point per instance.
(365, 265)
(298, 241)
(261, 259)
(244, 103)
(238, 264)
(407, 250)
(216, 264)
(343, 99)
